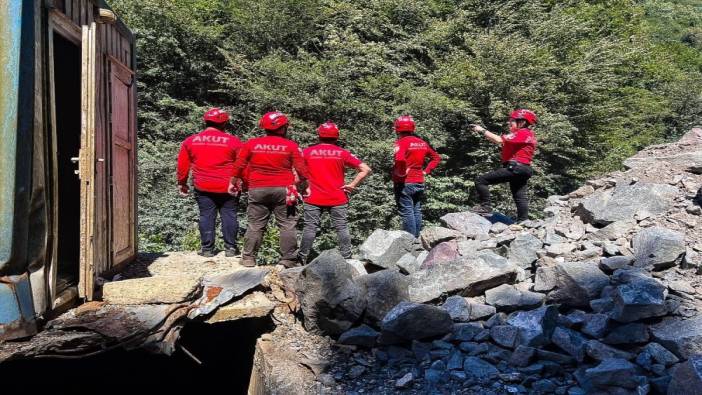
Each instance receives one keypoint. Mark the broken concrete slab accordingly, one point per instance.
(254, 305)
(221, 289)
(152, 290)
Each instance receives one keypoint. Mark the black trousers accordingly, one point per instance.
(517, 175)
(209, 203)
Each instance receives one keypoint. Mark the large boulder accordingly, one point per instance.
(571, 342)
(413, 321)
(658, 248)
(577, 283)
(330, 300)
(522, 250)
(508, 298)
(624, 201)
(434, 235)
(640, 296)
(536, 326)
(385, 247)
(687, 378)
(468, 223)
(616, 372)
(442, 253)
(383, 290)
(615, 230)
(682, 337)
(468, 276)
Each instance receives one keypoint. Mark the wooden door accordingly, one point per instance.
(123, 162)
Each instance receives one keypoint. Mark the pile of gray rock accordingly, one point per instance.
(604, 295)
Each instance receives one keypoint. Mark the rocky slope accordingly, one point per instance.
(602, 296)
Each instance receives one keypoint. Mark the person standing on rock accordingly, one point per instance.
(328, 190)
(409, 171)
(268, 163)
(211, 155)
(517, 152)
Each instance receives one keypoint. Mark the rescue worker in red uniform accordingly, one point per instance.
(409, 171)
(268, 164)
(517, 152)
(328, 190)
(211, 155)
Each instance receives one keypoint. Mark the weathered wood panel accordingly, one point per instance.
(123, 165)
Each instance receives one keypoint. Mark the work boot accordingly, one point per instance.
(289, 263)
(248, 261)
(232, 252)
(482, 209)
(206, 253)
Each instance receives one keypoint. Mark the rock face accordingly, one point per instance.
(383, 291)
(682, 337)
(535, 327)
(412, 321)
(622, 203)
(577, 283)
(468, 223)
(434, 235)
(615, 373)
(385, 247)
(522, 250)
(330, 300)
(468, 276)
(688, 378)
(639, 297)
(508, 298)
(442, 253)
(658, 248)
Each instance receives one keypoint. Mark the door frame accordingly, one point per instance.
(57, 24)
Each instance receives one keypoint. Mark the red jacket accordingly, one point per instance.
(410, 152)
(519, 146)
(211, 155)
(270, 160)
(327, 164)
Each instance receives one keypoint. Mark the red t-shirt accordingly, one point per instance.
(519, 146)
(211, 155)
(270, 160)
(326, 164)
(410, 152)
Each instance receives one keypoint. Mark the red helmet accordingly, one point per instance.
(273, 120)
(524, 114)
(328, 130)
(216, 115)
(405, 123)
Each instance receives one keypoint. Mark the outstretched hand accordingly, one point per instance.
(477, 128)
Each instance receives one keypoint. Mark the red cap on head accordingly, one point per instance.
(405, 123)
(526, 115)
(216, 115)
(328, 130)
(273, 120)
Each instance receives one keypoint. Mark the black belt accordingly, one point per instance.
(514, 163)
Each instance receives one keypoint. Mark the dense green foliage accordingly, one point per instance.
(606, 78)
